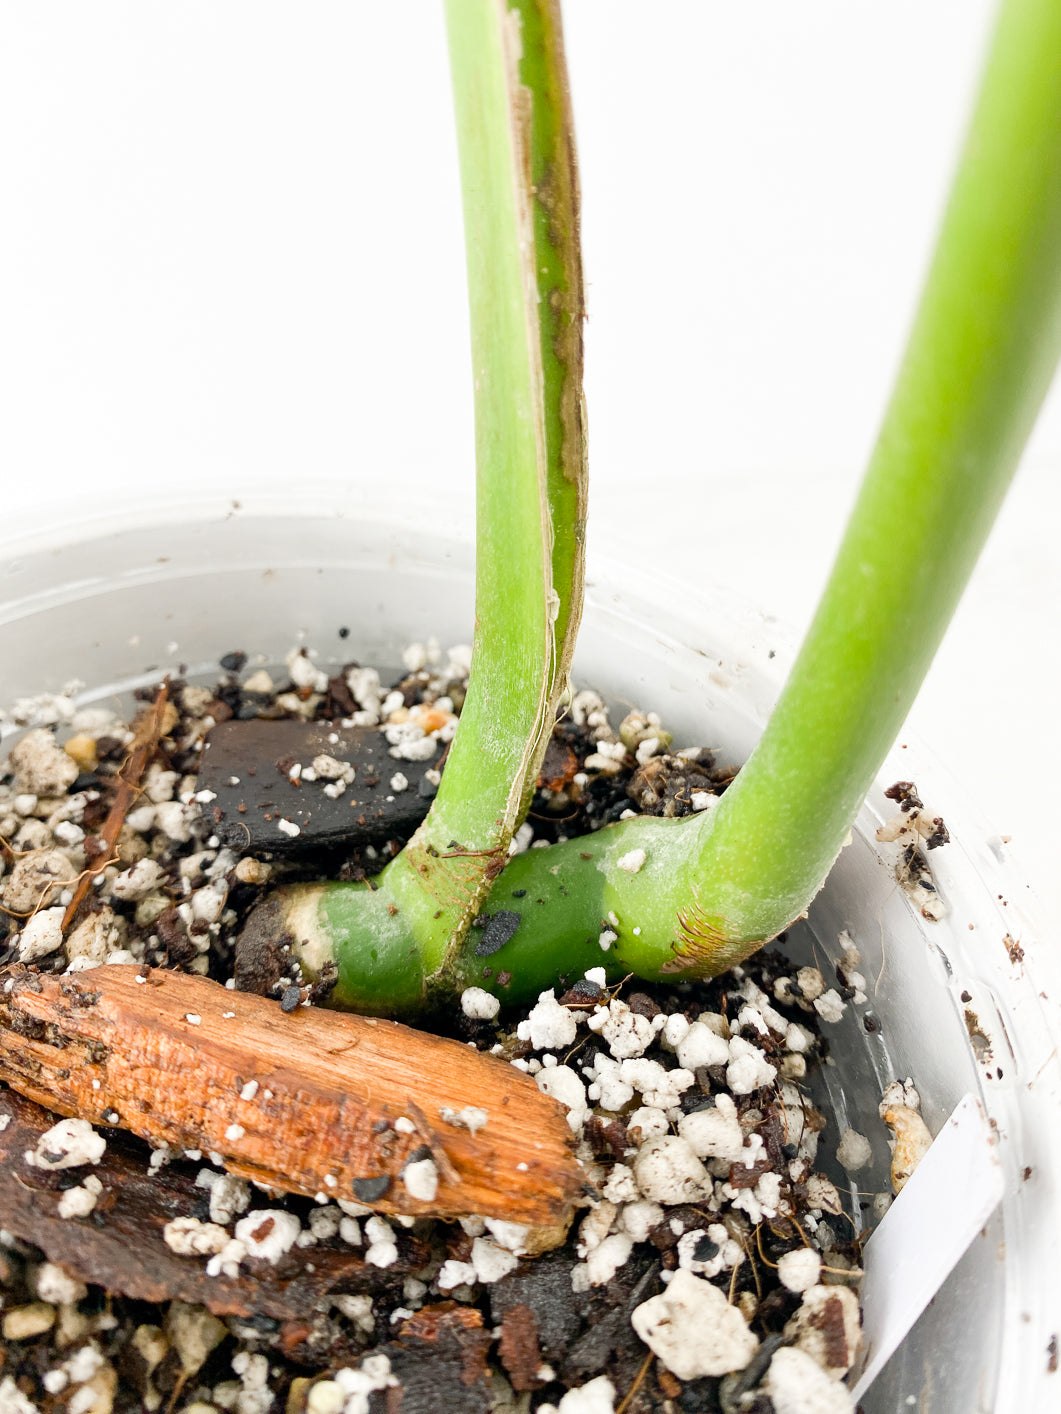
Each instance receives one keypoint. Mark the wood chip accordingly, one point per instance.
(120, 1246)
(519, 1350)
(102, 1046)
(147, 729)
(246, 816)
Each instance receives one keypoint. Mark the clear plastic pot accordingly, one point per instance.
(115, 603)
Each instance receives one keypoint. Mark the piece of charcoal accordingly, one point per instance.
(371, 1190)
(544, 1286)
(256, 807)
(500, 928)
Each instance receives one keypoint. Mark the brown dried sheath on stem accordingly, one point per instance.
(168, 1056)
(148, 730)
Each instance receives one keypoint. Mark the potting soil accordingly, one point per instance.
(713, 1266)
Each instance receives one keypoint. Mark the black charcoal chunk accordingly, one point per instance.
(500, 928)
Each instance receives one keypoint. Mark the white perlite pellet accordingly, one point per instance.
(490, 1261)
(55, 1286)
(854, 1151)
(633, 862)
(561, 1082)
(668, 1171)
(596, 1397)
(13, 1401)
(374, 1374)
(549, 1026)
(638, 1219)
(646, 1123)
(79, 1202)
(479, 1005)
(826, 1327)
(830, 1005)
(136, 883)
(661, 1088)
(453, 1273)
(796, 1385)
(726, 1255)
(42, 934)
(325, 1397)
(267, 1233)
(700, 1047)
(609, 1089)
(693, 1330)
(303, 673)
(229, 1196)
(41, 767)
(471, 1117)
(67, 1145)
(421, 1180)
(382, 1249)
(749, 1069)
(511, 1236)
(607, 1257)
(189, 1237)
(714, 1133)
(799, 1270)
(821, 1195)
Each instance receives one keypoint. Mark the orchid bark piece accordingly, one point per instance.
(979, 361)
(308, 1103)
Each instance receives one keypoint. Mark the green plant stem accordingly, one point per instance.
(978, 364)
(440, 877)
(521, 208)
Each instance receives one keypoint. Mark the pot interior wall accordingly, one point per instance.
(114, 610)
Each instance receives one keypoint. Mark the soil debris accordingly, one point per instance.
(311, 1277)
(119, 1243)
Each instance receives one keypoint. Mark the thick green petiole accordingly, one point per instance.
(525, 291)
(521, 208)
(712, 888)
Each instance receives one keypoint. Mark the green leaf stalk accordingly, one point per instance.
(714, 887)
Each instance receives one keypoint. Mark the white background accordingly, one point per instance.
(231, 259)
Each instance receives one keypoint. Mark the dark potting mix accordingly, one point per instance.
(713, 1259)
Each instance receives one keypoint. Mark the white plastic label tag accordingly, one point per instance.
(919, 1241)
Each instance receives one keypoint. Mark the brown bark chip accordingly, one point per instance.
(147, 728)
(120, 1246)
(520, 1354)
(169, 1057)
(367, 812)
(439, 1361)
